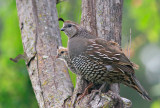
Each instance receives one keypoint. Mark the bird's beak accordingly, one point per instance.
(62, 29)
(57, 56)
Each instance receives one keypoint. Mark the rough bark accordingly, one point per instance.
(40, 37)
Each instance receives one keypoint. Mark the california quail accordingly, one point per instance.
(99, 61)
(62, 53)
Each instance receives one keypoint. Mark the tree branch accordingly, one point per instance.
(40, 35)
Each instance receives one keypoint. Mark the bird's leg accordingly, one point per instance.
(85, 91)
(97, 91)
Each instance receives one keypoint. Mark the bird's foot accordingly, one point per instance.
(94, 92)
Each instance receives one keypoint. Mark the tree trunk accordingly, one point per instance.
(103, 18)
(40, 36)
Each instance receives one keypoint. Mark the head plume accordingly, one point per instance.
(61, 19)
(70, 28)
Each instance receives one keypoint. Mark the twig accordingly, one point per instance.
(20, 56)
(130, 42)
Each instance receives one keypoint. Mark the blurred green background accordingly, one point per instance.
(141, 16)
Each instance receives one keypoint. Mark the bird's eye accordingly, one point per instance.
(62, 52)
(69, 25)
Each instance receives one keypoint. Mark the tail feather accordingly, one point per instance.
(129, 79)
(146, 97)
(141, 90)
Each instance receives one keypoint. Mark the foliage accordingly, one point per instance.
(15, 86)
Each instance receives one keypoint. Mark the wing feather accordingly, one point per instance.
(108, 53)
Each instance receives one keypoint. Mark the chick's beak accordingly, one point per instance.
(57, 56)
(62, 29)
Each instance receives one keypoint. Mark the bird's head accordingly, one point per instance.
(69, 28)
(62, 53)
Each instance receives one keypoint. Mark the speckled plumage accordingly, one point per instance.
(98, 60)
